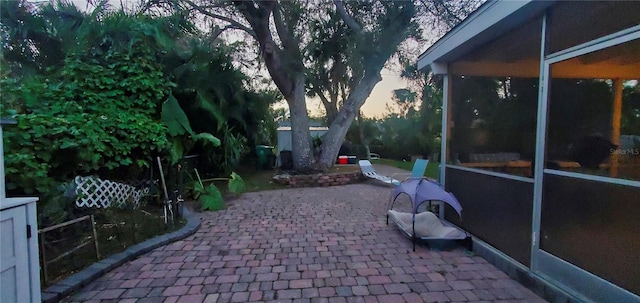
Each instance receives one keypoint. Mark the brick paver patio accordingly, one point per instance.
(304, 245)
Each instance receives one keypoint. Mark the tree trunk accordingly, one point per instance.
(363, 140)
(330, 106)
(288, 77)
(333, 139)
(300, 137)
(332, 112)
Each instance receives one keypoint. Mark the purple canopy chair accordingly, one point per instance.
(421, 190)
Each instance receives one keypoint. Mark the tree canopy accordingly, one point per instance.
(334, 50)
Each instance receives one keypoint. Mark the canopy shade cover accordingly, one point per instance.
(421, 190)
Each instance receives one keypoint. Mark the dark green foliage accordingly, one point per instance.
(417, 129)
(49, 148)
(402, 137)
(210, 197)
(174, 118)
(106, 92)
(71, 123)
(179, 128)
(212, 93)
(317, 141)
(236, 184)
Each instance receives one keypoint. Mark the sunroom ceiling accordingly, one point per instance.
(622, 61)
(515, 54)
(516, 51)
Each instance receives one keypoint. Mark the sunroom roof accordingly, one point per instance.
(488, 22)
(503, 39)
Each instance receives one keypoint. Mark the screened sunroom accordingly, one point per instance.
(542, 127)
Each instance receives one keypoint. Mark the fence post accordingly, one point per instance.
(95, 237)
(43, 255)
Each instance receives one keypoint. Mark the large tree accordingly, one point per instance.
(330, 72)
(335, 48)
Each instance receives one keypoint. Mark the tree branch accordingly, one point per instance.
(281, 28)
(258, 18)
(216, 32)
(234, 23)
(442, 12)
(452, 18)
(321, 95)
(342, 11)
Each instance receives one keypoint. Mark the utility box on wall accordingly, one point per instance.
(19, 258)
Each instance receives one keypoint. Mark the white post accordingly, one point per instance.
(446, 124)
(447, 93)
(541, 137)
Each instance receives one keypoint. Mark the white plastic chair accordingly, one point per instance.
(369, 172)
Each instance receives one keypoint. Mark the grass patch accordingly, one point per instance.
(258, 180)
(431, 171)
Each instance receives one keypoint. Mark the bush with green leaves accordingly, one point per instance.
(71, 123)
(106, 92)
(215, 97)
(210, 197)
(93, 110)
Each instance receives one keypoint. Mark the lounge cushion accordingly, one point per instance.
(427, 225)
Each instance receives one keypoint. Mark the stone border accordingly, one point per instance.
(66, 287)
(316, 180)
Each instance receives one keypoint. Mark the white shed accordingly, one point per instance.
(284, 136)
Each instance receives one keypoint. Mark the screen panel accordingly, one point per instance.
(568, 20)
(593, 225)
(497, 210)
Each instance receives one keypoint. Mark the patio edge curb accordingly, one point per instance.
(66, 287)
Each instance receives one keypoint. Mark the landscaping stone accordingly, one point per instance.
(50, 297)
(322, 180)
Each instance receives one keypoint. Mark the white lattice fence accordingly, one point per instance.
(94, 192)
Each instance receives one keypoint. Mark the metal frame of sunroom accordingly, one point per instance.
(548, 275)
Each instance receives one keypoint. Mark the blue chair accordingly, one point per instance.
(419, 167)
